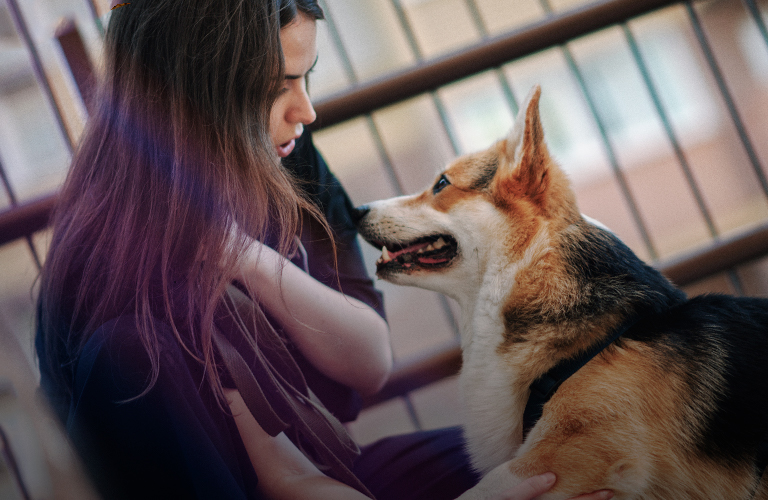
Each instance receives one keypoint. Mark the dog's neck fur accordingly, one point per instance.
(483, 326)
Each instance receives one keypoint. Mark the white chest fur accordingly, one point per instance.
(488, 381)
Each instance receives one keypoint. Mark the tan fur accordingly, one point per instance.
(604, 429)
(625, 421)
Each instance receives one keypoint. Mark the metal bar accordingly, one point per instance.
(436, 100)
(95, 13)
(756, 15)
(706, 48)
(33, 250)
(26, 219)
(755, 11)
(381, 149)
(493, 52)
(732, 275)
(13, 464)
(408, 29)
(455, 147)
(506, 87)
(718, 257)
(7, 185)
(477, 17)
(37, 66)
(419, 371)
(78, 60)
(412, 413)
(678, 150)
(349, 70)
(42, 79)
(443, 114)
(607, 145)
(14, 203)
(389, 165)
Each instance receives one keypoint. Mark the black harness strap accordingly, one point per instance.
(545, 386)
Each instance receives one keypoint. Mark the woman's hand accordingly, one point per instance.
(342, 336)
(538, 485)
(283, 471)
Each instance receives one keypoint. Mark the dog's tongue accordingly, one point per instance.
(432, 260)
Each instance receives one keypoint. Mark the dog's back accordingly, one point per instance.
(717, 346)
(720, 345)
(675, 408)
(678, 402)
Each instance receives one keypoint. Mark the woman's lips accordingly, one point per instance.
(284, 150)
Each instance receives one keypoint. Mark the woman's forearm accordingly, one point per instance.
(342, 336)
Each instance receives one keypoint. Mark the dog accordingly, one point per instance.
(671, 401)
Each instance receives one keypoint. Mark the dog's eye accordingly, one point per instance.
(440, 184)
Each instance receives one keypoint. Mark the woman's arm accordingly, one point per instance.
(342, 336)
(283, 471)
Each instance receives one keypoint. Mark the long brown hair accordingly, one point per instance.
(176, 155)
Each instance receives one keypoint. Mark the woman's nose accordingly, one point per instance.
(303, 111)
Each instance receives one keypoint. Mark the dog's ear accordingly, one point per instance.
(524, 162)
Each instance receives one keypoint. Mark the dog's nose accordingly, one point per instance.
(359, 212)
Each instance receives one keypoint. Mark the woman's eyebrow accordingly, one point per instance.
(296, 77)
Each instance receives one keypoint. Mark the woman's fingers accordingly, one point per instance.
(530, 488)
(538, 485)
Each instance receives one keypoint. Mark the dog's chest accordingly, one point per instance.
(493, 405)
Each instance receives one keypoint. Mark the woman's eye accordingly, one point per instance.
(440, 184)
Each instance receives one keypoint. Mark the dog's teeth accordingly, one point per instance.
(420, 250)
(440, 243)
(385, 254)
(430, 248)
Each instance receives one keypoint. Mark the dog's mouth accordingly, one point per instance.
(429, 252)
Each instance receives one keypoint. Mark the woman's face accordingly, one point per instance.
(292, 109)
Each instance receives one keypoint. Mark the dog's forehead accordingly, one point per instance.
(474, 171)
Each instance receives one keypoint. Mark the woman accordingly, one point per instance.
(175, 183)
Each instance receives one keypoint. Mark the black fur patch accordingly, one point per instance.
(699, 340)
(696, 339)
(608, 278)
(486, 175)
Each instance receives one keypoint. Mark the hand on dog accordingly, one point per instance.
(534, 486)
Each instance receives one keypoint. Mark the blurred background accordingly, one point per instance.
(635, 113)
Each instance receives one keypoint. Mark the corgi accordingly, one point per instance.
(670, 401)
